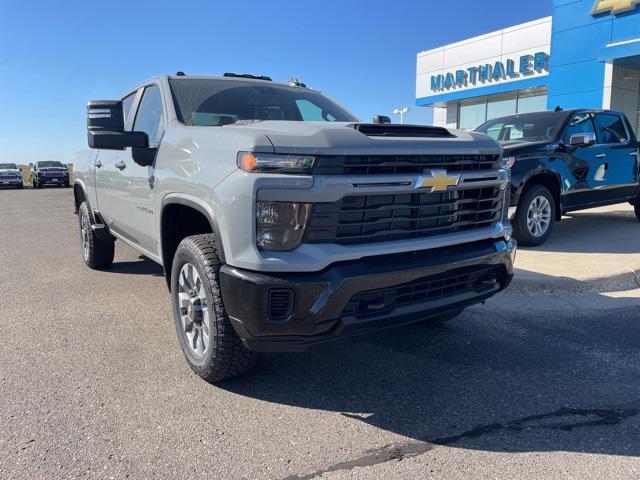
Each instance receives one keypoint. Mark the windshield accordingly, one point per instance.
(8, 166)
(50, 164)
(528, 127)
(214, 102)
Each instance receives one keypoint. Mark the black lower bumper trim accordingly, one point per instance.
(328, 304)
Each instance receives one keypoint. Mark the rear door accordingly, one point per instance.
(621, 160)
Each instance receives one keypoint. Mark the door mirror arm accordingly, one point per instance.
(144, 156)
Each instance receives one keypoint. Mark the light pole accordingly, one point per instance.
(401, 112)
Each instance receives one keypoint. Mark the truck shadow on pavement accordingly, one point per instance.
(614, 231)
(142, 266)
(495, 379)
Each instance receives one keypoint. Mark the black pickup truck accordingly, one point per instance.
(565, 160)
(50, 173)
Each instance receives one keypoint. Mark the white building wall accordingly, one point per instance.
(499, 46)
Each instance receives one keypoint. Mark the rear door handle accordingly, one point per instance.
(601, 155)
(121, 165)
(633, 154)
(98, 163)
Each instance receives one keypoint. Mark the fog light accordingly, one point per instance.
(280, 225)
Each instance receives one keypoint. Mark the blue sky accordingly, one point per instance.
(55, 56)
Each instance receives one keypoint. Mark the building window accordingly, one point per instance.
(473, 113)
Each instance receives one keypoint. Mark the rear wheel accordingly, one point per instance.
(535, 216)
(97, 252)
(210, 344)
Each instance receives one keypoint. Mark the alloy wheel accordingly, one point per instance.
(194, 310)
(84, 236)
(539, 216)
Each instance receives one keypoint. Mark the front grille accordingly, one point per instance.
(477, 279)
(378, 218)
(401, 164)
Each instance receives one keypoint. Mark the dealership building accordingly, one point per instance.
(586, 55)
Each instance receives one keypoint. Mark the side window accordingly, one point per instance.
(127, 103)
(610, 128)
(149, 116)
(580, 123)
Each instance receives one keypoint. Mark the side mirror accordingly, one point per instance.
(105, 127)
(582, 139)
(381, 119)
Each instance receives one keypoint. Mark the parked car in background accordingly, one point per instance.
(282, 221)
(565, 160)
(10, 175)
(50, 173)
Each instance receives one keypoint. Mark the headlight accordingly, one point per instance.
(274, 163)
(508, 162)
(280, 225)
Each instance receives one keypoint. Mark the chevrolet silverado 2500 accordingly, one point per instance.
(283, 221)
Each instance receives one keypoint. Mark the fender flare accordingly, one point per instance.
(80, 183)
(197, 204)
(542, 170)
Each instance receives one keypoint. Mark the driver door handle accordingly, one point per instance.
(633, 154)
(98, 163)
(121, 165)
(601, 155)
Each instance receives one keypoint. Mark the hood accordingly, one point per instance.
(516, 146)
(337, 138)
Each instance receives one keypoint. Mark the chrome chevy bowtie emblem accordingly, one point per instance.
(439, 181)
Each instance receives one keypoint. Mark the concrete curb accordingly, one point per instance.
(533, 282)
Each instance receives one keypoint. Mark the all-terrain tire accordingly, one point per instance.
(521, 229)
(97, 252)
(225, 355)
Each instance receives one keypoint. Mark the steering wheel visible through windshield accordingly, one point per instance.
(528, 127)
(216, 102)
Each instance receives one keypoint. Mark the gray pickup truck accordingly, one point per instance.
(283, 221)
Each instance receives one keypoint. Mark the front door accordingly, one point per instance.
(621, 160)
(586, 164)
(129, 210)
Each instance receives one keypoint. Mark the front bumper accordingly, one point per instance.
(53, 180)
(11, 181)
(321, 302)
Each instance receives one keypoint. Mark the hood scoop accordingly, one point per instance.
(391, 130)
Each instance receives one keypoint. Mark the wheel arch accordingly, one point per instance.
(549, 179)
(182, 216)
(79, 195)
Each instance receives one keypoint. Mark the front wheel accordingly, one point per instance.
(636, 208)
(535, 216)
(210, 344)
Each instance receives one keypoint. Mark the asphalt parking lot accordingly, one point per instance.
(534, 384)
